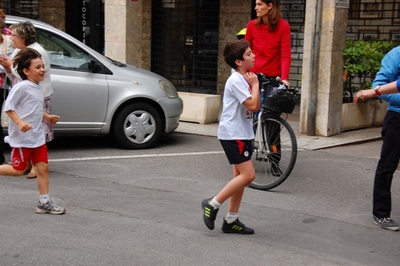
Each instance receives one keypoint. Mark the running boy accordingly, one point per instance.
(24, 106)
(235, 132)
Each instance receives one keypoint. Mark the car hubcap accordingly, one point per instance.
(140, 127)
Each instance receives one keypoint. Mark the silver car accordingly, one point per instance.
(96, 95)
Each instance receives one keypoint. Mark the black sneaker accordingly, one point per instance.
(209, 213)
(275, 170)
(386, 223)
(236, 227)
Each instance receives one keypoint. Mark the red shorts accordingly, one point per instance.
(20, 156)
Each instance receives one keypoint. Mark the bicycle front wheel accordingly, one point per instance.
(274, 154)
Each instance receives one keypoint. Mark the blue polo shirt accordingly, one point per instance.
(389, 72)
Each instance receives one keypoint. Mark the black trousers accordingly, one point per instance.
(387, 165)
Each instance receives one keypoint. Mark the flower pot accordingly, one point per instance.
(357, 116)
(380, 112)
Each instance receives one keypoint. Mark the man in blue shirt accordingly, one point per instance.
(390, 151)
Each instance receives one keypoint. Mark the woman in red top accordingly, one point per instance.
(269, 37)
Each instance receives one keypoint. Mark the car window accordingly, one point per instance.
(63, 53)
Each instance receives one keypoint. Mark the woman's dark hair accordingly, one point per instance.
(26, 31)
(273, 16)
(234, 51)
(23, 60)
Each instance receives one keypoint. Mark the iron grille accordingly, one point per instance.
(185, 43)
(22, 8)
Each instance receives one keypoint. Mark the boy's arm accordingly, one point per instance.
(253, 103)
(53, 119)
(23, 126)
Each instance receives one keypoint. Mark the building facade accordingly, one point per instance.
(182, 39)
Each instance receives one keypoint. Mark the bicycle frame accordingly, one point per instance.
(262, 149)
(274, 146)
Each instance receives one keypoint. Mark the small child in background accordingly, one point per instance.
(24, 106)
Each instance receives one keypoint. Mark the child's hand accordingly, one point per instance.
(6, 62)
(251, 78)
(23, 126)
(53, 119)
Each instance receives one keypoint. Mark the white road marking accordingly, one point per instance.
(134, 156)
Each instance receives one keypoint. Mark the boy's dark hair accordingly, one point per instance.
(23, 60)
(234, 51)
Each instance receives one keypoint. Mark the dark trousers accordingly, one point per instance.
(274, 139)
(387, 165)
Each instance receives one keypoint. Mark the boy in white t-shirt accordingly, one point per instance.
(235, 132)
(24, 106)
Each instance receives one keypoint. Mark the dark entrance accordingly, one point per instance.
(185, 43)
(85, 21)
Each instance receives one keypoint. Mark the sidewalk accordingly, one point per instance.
(303, 141)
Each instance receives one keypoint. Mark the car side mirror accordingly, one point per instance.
(93, 65)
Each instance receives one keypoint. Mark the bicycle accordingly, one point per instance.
(275, 144)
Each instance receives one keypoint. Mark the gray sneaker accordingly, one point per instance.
(49, 207)
(386, 223)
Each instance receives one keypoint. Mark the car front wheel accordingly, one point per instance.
(137, 126)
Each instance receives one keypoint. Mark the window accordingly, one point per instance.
(63, 53)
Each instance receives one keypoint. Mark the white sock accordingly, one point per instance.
(215, 203)
(231, 217)
(44, 198)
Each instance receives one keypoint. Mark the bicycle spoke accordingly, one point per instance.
(280, 146)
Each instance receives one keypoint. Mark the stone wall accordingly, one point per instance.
(234, 16)
(128, 31)
(53, 13)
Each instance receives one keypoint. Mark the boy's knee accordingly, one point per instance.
(250, 178)
(17, 172)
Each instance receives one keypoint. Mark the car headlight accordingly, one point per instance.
(169, 89)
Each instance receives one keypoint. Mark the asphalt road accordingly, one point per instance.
(142, 207)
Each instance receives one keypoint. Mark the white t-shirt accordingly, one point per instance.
(236, 120)
(26, 99)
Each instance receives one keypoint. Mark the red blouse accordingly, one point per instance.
(272, 49)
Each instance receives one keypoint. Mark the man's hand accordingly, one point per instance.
(364, 95)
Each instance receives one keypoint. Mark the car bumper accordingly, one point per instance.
(173, 109)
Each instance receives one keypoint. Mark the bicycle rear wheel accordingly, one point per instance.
(273, 167)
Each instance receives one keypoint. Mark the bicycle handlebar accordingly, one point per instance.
(264, 80)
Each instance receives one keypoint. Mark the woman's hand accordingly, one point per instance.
(287, 83)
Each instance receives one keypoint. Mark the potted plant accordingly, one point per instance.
(362, 60)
